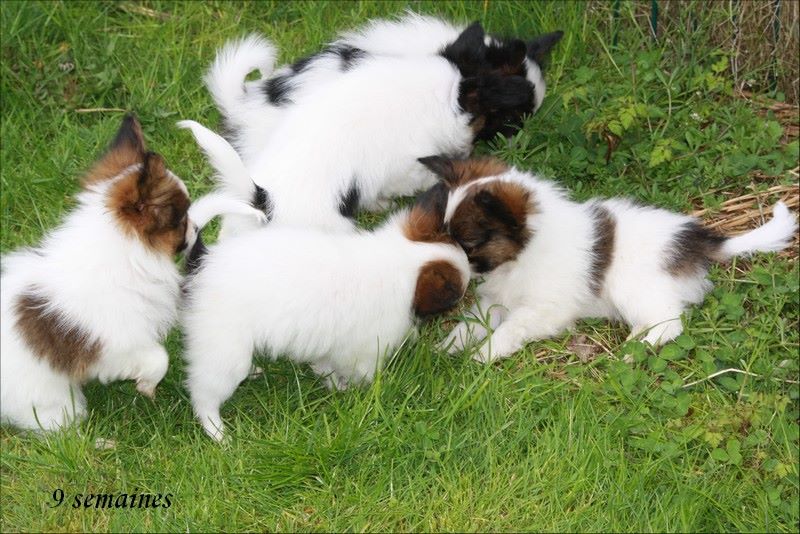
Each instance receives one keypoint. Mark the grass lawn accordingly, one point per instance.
(564, 435)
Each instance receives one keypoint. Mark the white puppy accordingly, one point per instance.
(339, 302)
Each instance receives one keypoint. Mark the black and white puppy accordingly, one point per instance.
(344, 128)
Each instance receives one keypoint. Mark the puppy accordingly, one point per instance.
(352, 140)
(97, 297)
(549, 261)
(252, 109)
(340, 302)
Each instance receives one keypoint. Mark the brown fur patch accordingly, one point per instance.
(152, 205)
(603, 247)
(439, 288)
(50, 335)
(127, 148)
(692, 249)
(456, 172)
(490, 223)
(425, 221)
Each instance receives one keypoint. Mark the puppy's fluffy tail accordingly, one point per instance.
(773, 236)
(226, 78)
(203, 210)
(231, 174)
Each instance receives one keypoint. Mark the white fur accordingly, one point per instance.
(547, 288)
(309, 164)
(409, 35)
(340, 302)
(233, 179)
(107, 283)
(368, 124)
(771, 237)
(252, 115)
(236, 97)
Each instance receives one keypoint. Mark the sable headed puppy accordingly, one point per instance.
(96, 298)
(339, 302)
(548, 261)
(343, 129)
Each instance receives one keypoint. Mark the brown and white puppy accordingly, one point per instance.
(339, 302)
(548, 261)
(96, 298)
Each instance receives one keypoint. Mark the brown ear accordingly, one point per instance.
(126, 149)
(439, 288)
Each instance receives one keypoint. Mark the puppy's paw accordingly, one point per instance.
(498, 347)
(457, 340)
(146, 388)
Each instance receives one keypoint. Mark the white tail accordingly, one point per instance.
(231, 173)
(226, 79)
(205, 208)
(773, 236)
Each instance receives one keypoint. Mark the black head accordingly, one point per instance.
(497, 103)
(496, 89)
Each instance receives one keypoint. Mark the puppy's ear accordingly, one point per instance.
(425, 221)
(508, 204)
(443, 167)
(129, 136)
(468, 51)
(539, 47)
(439, 287)
(127, 148)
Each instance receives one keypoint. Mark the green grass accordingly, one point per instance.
(543, 441)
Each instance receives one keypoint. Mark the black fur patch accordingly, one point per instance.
(468, 51)
(194, 258)
(507, 56)
(130, 134)
(348, 55)
(262, 201)
(692, 249)
(498, 103)
(348, 203)
(302, 64)
(603, 247)
(277, 89)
